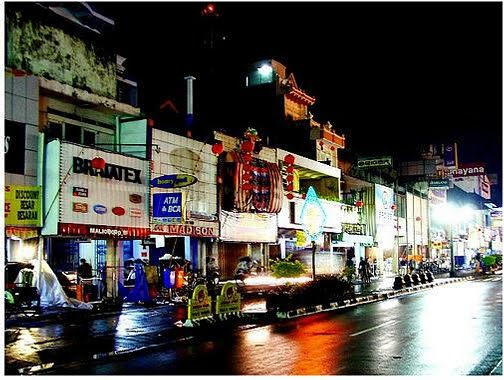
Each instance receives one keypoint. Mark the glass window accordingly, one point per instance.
(89, 138)
(54, 131)
(72, 133)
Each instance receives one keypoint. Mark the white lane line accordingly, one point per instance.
(498, 364)
(393, 321)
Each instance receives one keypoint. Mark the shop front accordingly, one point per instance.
(96, 208)
(246, 234)
(184, 221)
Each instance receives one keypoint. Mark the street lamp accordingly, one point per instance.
(450, 215)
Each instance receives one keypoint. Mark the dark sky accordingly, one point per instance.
(388, 75)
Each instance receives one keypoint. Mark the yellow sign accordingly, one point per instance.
(23, 206)
(200, 304)
(301, 239)
(229, 300)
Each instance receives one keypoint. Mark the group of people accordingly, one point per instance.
(365, 271)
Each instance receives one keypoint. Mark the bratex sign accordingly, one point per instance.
(117, 194)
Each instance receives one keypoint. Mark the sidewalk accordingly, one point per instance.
(253, 301)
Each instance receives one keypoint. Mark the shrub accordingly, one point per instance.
(348, 273)
(287, 267)
(489, 260)
(324, 290)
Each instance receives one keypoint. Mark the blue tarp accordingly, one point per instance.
(140, 292)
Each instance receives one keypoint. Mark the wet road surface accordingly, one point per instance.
(451, 330)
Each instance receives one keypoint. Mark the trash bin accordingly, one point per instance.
(459, 261)
(79, 292)
(179, 278)
(167, 278)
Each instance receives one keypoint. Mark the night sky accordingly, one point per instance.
(387, 75)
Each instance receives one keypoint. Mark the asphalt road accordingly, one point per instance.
(450, 330)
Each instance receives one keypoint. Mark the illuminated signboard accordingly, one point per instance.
(116, 195)
(23, 206)
(172, 181)
(167, 207)
(313, 216)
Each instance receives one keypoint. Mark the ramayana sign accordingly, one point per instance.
(466, 170)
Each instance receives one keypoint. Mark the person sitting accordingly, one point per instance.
(85, 270)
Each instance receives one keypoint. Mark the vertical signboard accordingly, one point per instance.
(23, 206)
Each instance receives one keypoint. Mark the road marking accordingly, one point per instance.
(498, 364)
(393, 321)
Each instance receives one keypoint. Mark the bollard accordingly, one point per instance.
(398, 283)
(421, 275)
(407, 280)
(415, 279)
(430, 276)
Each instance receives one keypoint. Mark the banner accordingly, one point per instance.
(248, 227)
(23, 206)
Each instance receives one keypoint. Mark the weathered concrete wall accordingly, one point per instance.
(50, 52)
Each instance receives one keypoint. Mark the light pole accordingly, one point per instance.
(452, 258)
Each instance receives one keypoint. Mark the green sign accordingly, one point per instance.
(229, 300)
(374, 162)
(200, 304)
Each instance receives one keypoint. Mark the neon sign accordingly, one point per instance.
(313, 216)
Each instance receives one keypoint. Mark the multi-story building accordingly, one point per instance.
(70, 135)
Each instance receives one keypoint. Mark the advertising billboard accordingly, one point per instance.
(117, 194)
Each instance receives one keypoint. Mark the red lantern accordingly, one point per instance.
(290, 169)
(247, 157)
(246, 176)
(150, 123)
(98, 163)
(290, 196)
(303, 196)
(218, 148)
(359, 204)
(321, 143)
(247, 167)
(393, 207)
(289, 159)
(290, 187)
(247, 186)
(333, 148)
(247, 146)
(290, 178)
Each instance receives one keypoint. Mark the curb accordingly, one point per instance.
(309, 310)
(213, 319)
